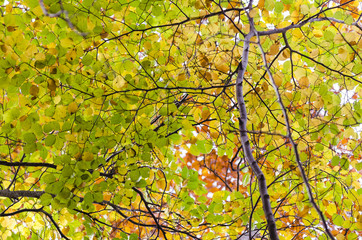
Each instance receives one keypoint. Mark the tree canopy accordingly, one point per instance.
(192, 119)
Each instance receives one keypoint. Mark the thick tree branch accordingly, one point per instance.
(246, 144)
(27, 164)
(50, 165)
(16, 194)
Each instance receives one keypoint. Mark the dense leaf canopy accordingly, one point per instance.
(183, 119)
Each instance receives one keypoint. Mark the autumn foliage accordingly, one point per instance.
(192, 119)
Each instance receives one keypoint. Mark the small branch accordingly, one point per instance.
(150, 211)
(299, 25)
(294, 145)
(54, 223)
(19, 211)
(38, 210)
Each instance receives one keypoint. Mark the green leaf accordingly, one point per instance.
(359, 166)
(133, 236)
(203, 146)
(141, 183)
(345, 163)
(246, 179)
(328, 35)
(30, 148)
(50, 140)
(192, 185)
(29, 138)
(46, 199)
(98, 196)
(67, 171)
(145, 172)
(335, 161)
(269, 5)
(279, 6)
(334, 129)
(357, 68)
(338, 220)
(87, 60)
(55, 187)
(134, 175)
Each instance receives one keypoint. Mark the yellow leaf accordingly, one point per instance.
(343, 53)
(67, 42)
(38, 11)
(40, 57)
(274, 49)
(71, 54)
(52, 86)
(314, 53)
(299, 73)
(352, 37)
(214, 76)
(60, 112)
(214, 135)
(70, 138)
(278, 79)
(87, 156)
(283, 24)
(317, 33)
(289, 96)
(72, 107)
(303, 82)
(340, 236)
(34, 90)
(285, 54)
(196, 113)
(222, 67)
(57, 99)
(338, 38)
(181, 77)
(199, 40)
(318, 103)
(118, 83)
(147, 45)
(30, 180)
(261, 4)
(296, 16)
(63, 68)
(205, 113)
(253, 13)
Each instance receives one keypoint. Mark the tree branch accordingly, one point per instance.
(58, 14)
(38, 210)
(245, 140)
(19, 211)
(150, 211)
(299, 25)
(294, 145)
(27, 164)
(54, 223)
(16, 194)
